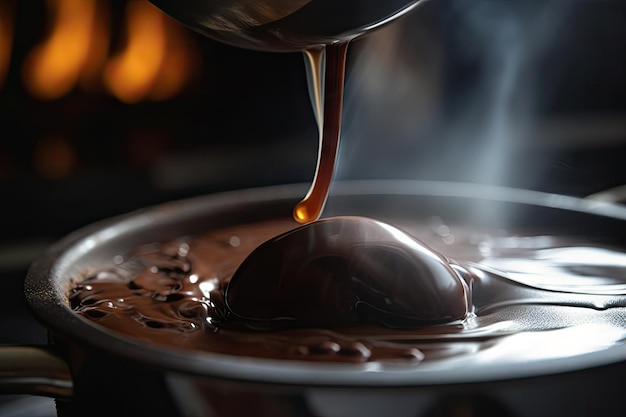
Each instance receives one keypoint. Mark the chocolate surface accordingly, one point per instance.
(347, 269)
(526, 299)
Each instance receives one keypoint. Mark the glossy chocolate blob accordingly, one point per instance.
(346, 269)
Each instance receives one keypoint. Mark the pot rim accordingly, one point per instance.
(46, 296)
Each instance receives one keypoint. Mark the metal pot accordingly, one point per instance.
(95, 372)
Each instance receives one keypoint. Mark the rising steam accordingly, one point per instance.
(451, 92)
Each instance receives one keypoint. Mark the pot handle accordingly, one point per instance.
(35, 370)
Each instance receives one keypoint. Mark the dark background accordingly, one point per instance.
(525, 94)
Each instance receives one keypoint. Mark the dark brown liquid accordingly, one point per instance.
(172, 294)
(327, 95)
(345, 270)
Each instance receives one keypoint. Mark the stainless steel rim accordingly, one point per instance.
(47, 280)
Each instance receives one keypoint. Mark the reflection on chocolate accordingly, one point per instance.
(347, 269)
(523, 298)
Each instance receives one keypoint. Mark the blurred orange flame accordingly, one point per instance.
(97, 54)
(54, 67)
(154, 63)
(6, 38)
(179, 65)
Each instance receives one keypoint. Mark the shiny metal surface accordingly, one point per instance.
(49, 279)
(279, 25)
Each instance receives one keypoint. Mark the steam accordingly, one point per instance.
(391, 95)
(510, 92)
(407, 114)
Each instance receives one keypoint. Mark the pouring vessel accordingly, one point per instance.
(285, 25)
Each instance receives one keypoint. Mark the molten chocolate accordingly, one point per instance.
(173, 294)
(347, 269)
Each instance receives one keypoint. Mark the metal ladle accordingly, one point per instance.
(284, 25)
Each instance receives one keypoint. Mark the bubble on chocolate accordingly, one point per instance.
(346, 269)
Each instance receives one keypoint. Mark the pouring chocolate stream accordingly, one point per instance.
(322, 30)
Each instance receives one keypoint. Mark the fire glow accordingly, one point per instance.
(155, 61)
(152, 64)
(54, 67)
